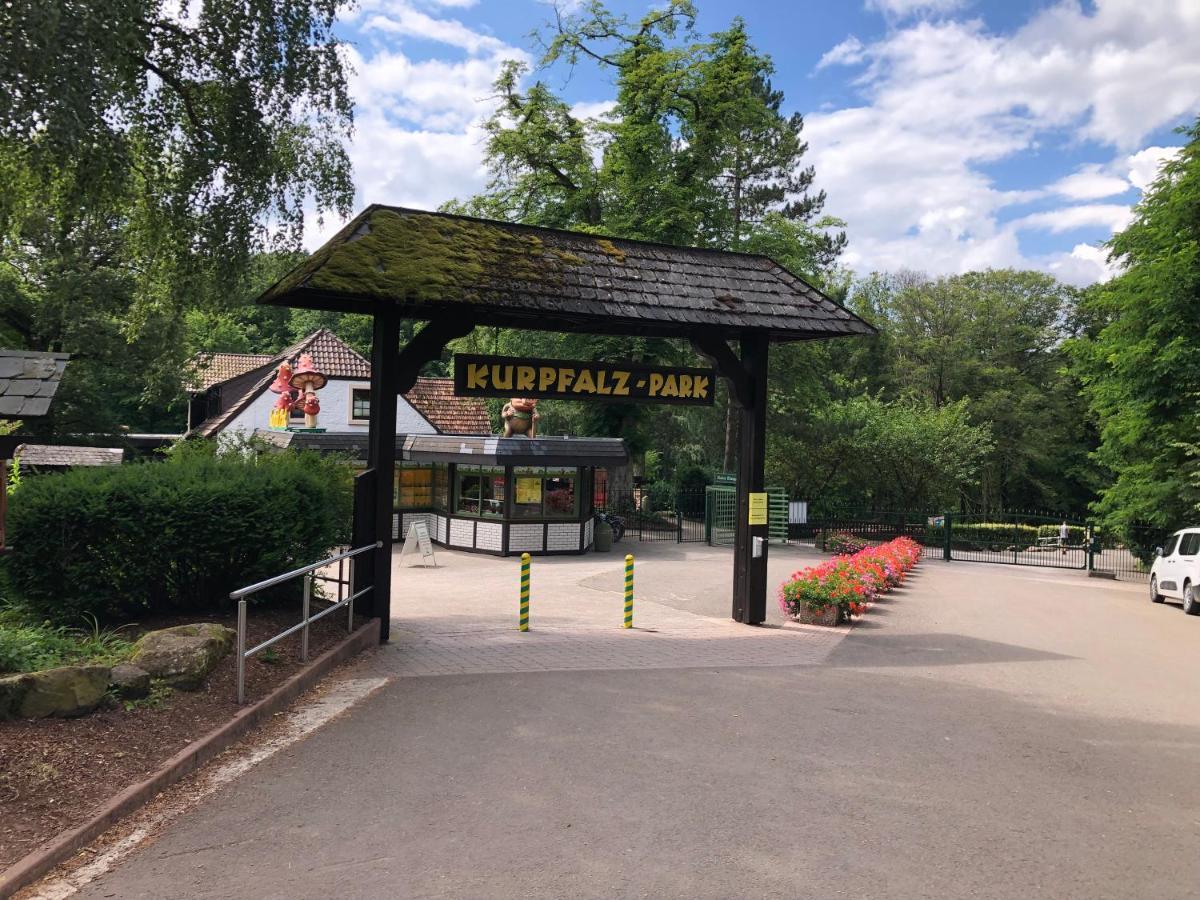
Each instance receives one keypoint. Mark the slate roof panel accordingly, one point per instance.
(28, 382)
(63, 457)
(436, 264)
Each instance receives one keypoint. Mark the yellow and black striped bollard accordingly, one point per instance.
(628, 590)
(524, 621)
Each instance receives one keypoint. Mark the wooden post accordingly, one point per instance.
(749, 571)
(381, 463)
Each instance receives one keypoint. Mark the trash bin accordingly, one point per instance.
(602, 542)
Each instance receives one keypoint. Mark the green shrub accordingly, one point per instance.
(1076, 534)
(171, 536)
(29, 647)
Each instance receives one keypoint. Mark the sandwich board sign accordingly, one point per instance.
(417, 539)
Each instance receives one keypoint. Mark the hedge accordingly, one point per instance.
(171, 536)
(999, 535)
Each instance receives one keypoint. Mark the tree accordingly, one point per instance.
(1139, 355)
(695, 151)
(995, 337)
(864, 451)
(149, 155)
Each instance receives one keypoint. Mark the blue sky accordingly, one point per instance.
(949, 134)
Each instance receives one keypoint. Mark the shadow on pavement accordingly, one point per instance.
(938, 649)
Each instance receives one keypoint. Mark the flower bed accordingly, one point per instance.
(846, 585)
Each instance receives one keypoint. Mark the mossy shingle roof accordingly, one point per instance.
(28, 382)
(435, 265)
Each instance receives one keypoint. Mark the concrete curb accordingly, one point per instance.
(37, 863)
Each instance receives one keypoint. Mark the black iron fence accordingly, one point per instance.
(655, 514)
(1016, 538)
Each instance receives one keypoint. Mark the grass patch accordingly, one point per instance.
(27, 647)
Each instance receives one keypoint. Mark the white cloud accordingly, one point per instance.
(1085, 264)
(1144, 165)
(903, 8)
(1091, 182)
(403, 20)
(1111, 216)
(848, 53)
(943, 99)
(417, 137)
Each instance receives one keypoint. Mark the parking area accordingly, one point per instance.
(987, 731)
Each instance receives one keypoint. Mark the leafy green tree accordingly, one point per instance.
(695, 151)
(149, 155)
(864, 451)
(1139, 355)
(995, 337)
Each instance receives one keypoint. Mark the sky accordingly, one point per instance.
(950, 135)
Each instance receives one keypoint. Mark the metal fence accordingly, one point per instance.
(1015, 538)
(1129, 553)
(344, 579)
(653, 514)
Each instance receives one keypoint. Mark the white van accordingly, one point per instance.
(1176, 570)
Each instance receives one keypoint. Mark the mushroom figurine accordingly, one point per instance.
(283, 379)
(307, 379)
(312, 406)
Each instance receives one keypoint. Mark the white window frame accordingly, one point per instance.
(350, 389)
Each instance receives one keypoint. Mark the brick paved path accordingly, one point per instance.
(461, 618)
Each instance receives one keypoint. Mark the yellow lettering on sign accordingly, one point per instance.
(700, 387)
(502, 382)
(670, 387)
(602, 386)
(525, 376)
(565, 377)
(621, 388)
(546, 376)
(476, 376)
(656, 383)
(584, 383)
(685, 385)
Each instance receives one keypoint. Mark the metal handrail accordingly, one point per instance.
(306, 619)
(279, 579)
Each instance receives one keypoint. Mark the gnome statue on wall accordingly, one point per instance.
(520, 417)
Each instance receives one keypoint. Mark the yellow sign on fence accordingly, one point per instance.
(758, 508)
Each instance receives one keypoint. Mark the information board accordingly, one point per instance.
(416, 540)
(758, 508)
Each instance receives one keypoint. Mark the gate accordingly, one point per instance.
(720, 519)
(1022, 539)
(1129, 553)
(653, 516)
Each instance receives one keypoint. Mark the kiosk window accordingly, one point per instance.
(480, 492)
(414, 488)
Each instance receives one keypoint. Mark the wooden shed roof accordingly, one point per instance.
(440, 266)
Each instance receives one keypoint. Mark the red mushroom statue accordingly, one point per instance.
(307, 379)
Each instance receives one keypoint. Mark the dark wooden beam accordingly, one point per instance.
(717, 353)
(750, 571)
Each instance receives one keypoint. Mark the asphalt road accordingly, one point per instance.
(987, 733)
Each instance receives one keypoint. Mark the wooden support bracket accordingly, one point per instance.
(426, 346)
(725, 361)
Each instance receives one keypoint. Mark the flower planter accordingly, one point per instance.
(827, 616)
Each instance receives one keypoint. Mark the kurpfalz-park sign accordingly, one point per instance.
(561, 379)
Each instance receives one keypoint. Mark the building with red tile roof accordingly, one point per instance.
(231, 393)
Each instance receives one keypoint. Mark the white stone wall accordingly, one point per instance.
(562, 536)
(489, 536)
(525, 538)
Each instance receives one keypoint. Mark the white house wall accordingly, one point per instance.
(335, 412)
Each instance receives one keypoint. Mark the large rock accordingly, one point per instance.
(66, 691)
(131, 683)
(184, 655)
